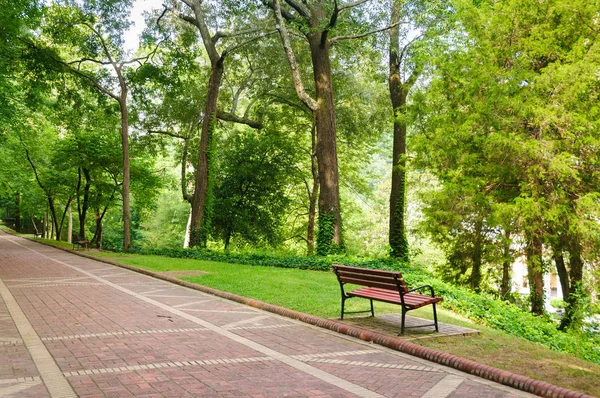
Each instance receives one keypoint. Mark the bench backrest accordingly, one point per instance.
(370, 277)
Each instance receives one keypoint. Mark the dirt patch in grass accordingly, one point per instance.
(183, 274)
(523, 357)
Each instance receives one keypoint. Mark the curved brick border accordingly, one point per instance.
(507, 378)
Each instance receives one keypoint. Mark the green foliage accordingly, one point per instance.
(250, 193)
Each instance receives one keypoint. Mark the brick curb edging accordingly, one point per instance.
(523, 383)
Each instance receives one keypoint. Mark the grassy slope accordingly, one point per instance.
(317, 293)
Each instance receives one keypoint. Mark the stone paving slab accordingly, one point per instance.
(390, 324)
(112, 332)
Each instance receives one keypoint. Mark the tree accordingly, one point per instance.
(505, 113)
(202, 196)
(406, 62)
(315, 22)
(90, 36)
(250, 197)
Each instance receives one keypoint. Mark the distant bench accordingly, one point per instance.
(385, 286)
(77, 241)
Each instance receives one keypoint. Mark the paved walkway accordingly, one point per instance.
(71, 326)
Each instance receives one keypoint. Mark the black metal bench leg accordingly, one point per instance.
(435, 318)
(372, 312)
(403, 320)
(343, 302)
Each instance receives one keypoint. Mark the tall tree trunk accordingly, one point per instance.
(202, 196)
(329, 235)
(506, 262)
(313, 194)
(126, 176)
(535, 272)
(398, 93)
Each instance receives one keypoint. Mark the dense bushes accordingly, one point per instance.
(479, 307)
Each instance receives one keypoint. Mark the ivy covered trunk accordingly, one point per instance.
(329, 234)
(397, 234)
(202, 196)
(535, 271)
(398, 93)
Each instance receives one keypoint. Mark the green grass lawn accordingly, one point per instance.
(318, 293)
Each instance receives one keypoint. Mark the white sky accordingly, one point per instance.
(132, 37)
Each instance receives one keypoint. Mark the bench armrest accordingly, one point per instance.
(421, 287)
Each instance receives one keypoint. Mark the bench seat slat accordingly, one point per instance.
(364, 277)
(385, 285)
(368, 271)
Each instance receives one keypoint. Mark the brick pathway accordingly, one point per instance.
(71, 326)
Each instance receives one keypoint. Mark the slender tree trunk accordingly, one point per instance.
(202, 196)
(561, 269)
(227, 240)
(186, 239)
(535, 272)
(398, 93)
(98, 234)
(575, 282)
(329, 237)
(45, 226)
(83, 207)
(18, 212)
(62, 220)
(70, 225)
(506, 262)
(54, 219)
(52, 224)
(313, 195)
(126, 176)
(475, 279)
(34, 224)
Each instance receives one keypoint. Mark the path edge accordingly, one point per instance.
(514, 380)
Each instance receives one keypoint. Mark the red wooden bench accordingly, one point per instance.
(77, 241)
(385, 286)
